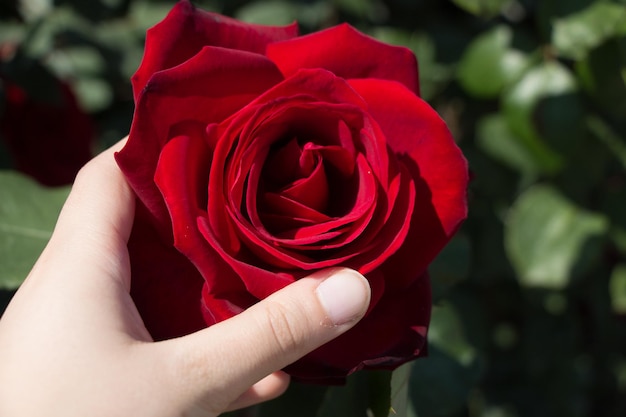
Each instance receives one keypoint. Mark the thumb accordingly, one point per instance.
(220, 363)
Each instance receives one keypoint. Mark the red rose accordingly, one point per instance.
(50, 140)
(261, 157)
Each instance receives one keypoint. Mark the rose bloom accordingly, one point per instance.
(260, 157)
(49, 139)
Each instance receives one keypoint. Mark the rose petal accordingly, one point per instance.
(347, 53)
(207, 88)
(182, 175)
(425, 146)
(376, 341)
(216, 309)
(186, 30)
(260, 279)
(165, 285)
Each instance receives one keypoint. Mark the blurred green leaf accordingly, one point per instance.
(603, 76)
(32, 10)
(495, 138)
(302, 400)
(440, 386)
(575, 35)
(451, 266)
(433, 74)
(559, 121)
(364, 9)
(94, 94)
(447, 334)
(379, 386)
(400, 406)
(365, 393)
(145, 14)
(617, 288)
(606, 135)
(28, 213)
(549, 80)
(483, 8)
(489, 64)
(550, 240)
(268, 12)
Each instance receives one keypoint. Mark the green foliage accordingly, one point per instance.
(577, 34)
(28, 213)
(530, 296)
(550, 240)
(490, 64)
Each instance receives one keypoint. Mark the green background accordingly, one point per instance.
(530, 296)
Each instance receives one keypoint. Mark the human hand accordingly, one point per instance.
(73, 344)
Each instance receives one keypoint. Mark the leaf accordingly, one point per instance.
(433, 75)
(602, 75)
(366, 393)
(608, 137)
(28, 213)
(495, 138)
(346, 401)
(489, 63)
(575, 35)
(617, 288)
(268, 13)
(484, 8)
(360, 8)
(440, 386)
(400, 391)
(451, 266)
(546, 81)
(379, 386)
(302, 400)
(550, 240)
(447, 334)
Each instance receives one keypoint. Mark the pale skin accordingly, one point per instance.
(73, 344)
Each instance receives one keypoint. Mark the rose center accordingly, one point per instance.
(303, 182)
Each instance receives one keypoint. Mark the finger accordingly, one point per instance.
(96, 219)
(266, 389)
(268, 336)
(101, 202)
(87, 254)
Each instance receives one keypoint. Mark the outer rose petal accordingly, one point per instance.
(186, 30)
(165, 287)
(207, 88)
(424, 144)
(348, 54)
(392, 333)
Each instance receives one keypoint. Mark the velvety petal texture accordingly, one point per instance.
(259, 157)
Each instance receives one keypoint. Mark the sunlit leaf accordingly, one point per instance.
(28, 213)
(575, 35)
(545, 82)
(489, 63)
(549, 239)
